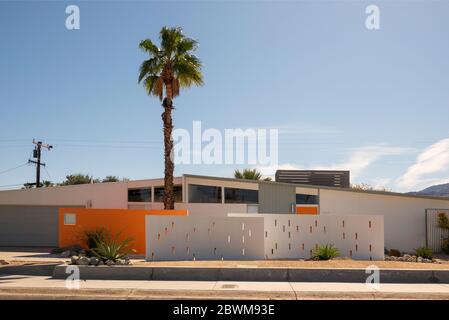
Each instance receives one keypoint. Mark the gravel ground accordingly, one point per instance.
(21, 256)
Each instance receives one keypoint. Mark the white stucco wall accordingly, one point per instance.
(404, 217)
(100, 195)
(261, 236)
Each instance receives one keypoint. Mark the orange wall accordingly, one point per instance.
(131, 223)
(306, 210)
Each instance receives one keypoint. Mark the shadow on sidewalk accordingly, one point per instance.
(28, 270)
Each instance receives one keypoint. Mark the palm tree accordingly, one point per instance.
(249, 174)
(170, 67)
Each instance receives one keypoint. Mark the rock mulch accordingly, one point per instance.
(94, 261)
(411, 258)
(81, 257)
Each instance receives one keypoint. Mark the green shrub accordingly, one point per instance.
(445, 246)
(112, 247)
(424, 252)
(91, 237)
(443, 220)
(394, 253)
(326, 252)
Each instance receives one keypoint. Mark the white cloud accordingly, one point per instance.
(362, 158)
(434, 159)
(270, 171)
(358, 160)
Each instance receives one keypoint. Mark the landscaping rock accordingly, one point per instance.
(109, 263)
(100, 263)
(83, 261)
(419, 259)
(120, 262)
(94, 261)
(75, 248)
(74, 259)
(66, 254)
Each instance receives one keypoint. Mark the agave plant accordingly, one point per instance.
(91, 237)
(326, 252)
(112, 247)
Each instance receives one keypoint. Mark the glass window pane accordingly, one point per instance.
(306, 199)
(234, 195)
(159, 194)
(204, 194)
(139, 195)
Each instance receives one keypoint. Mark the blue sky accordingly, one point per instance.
(342, 96)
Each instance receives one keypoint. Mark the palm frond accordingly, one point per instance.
(173, 63)
(151, 66)
(148, 46)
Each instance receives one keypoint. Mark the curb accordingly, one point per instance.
(252, 274)
(139, 294)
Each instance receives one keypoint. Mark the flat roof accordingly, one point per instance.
(385, 193)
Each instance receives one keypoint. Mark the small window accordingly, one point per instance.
(159, 193)
(139, 195)
(306, 199)
(69, 219)
(204, 194)
(235, 195)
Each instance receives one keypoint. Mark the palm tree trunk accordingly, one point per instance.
(169, 199)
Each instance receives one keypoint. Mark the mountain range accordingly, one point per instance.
(439, 190)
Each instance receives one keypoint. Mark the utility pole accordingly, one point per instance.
(37, 155)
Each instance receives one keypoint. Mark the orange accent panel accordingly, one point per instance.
(306, 210)
(131, 223)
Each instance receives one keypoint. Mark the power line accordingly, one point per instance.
(11, 169)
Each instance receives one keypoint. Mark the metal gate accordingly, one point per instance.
(434, 234)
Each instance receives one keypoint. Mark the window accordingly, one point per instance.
(139, 195)
(204, 194)
(233, 195)
(159, 194)
(306, 199)
(69, 219)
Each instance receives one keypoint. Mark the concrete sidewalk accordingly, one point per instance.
(27, 287)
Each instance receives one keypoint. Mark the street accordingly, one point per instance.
(42, 287)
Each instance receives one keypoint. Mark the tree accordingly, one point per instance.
(249, 174)
(44, 184)
(368, 187)
(111, 179)
(78, 178)
(170, 67)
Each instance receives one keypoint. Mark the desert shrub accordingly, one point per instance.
(92, 237)
(394, 253)
(326, 252)
(445, 246)
(111, 247)
(424, 252)
(443, 220)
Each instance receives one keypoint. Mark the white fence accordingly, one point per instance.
(261, 236)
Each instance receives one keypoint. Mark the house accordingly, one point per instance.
(30, 216)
